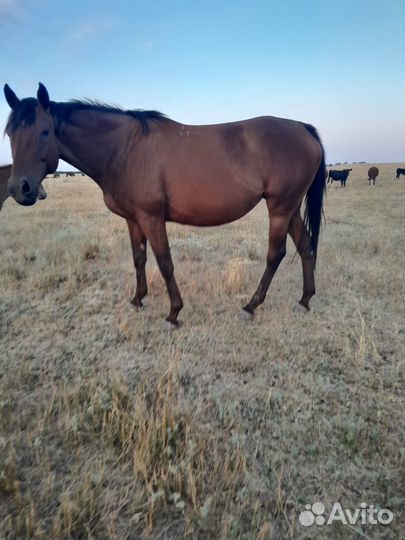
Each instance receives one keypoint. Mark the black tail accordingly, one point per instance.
(314, 198)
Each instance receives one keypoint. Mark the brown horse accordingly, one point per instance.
(152, 170)
(5, 173)
(373, 172)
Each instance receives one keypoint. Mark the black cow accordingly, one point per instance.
(399, 172)
(339, 176)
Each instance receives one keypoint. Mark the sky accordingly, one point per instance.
(337, 64)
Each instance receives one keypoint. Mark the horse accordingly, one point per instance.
(399, 172)
(372, 175)
(339, 176)
(5, 173)
(152, 170)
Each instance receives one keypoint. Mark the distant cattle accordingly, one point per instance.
(66, 174)
(372, 175)
(339, 176)
(5, 172)
(399, 172)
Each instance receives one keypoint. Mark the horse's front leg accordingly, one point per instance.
(138, 243)
(154, 228)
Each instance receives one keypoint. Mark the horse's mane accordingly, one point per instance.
(24, 112)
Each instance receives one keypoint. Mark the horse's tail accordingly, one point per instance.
(314, 198)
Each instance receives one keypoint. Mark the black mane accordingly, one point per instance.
(24, 112)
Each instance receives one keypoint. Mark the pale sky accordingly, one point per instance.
(339, 65)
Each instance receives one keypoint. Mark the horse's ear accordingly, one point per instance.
(43, 96)
(11, 98)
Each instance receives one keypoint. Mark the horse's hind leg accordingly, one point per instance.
(275, 254)
(298, 232)
(155, 231)
(138, 243)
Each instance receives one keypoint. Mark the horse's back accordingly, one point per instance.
(217, 173)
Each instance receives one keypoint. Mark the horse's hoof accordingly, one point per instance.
(138, 304)
(245, 315)
(304, 304)
(170, 325)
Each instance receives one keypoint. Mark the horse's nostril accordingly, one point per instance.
(26, 187)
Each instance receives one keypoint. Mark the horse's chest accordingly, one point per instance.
(115, 207)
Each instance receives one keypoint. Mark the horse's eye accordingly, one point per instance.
(45, 133)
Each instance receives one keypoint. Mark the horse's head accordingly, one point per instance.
(33, 144)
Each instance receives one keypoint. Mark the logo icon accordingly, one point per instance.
(312, 514)
(366, 514)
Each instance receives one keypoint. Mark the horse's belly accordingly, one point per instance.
(202, 210)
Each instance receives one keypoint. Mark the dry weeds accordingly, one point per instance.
(111, 427)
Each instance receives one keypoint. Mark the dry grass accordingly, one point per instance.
(112, 427)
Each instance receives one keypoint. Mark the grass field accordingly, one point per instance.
(112, 427)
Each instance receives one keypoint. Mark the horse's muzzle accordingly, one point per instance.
(25, 195)
(26, 200)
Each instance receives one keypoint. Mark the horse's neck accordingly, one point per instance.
(94, 142)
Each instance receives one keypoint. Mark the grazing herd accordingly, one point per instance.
(68, 173)
(341, 176)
